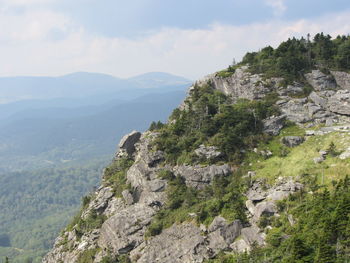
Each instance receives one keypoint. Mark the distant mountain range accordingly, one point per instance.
(80, 84)
(78, 116)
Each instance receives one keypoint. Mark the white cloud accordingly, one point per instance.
(29, 45)
(25, 2)
(278, 6)
(32, 26)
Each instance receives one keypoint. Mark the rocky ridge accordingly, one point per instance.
(328, 102)
(127, 217)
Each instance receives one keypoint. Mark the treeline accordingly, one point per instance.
(294, 57)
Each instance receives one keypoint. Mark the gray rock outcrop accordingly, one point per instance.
(208, 152)
(177, 244)
(253, 235)
(242, 84)
(267, 208)
(296, 110)
(339, 103)
(318, 100)
(259, 192)
(342, 79)
(124, 231)
(273, 125)
(199, 177)
(320, 81)
(292, 141)
(222, 234)
(127, 143)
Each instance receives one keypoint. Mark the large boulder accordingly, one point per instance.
(127, 143)
(292, 141)
(339, 103)
(256, 191)
(320, 81)
(283, 188)
(252, 235)
(291, 90)
(296, 110)
(222, 234)
(273, 125)
(242, 84)
(229, 232)
(100, 202)
(342, 79)
(178, 244)
(125, 230)
(199, 177)
(318, 100)
(267, 208)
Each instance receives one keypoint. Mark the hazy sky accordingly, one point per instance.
(124, 38)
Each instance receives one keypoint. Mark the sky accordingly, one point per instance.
(190, 38)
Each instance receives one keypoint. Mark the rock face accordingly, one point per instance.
(127, 143)
(179, 243)
(125, 230)
(325, 104)
(126, 215)
(339, 103)
(273, 125)
(198, 177)
(342, 79)
(320, 81)
(241, 84)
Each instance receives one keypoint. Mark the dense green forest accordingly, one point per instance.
(36, 204)
(294, 57)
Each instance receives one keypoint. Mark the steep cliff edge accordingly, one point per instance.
(216, 179)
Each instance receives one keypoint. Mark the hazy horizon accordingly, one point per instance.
(53, 38)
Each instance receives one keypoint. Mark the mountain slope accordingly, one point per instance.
(79, 135)
(255, 160)
(51, 157)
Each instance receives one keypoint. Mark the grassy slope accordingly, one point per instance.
(299, 160)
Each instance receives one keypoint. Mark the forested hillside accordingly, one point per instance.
(294, 57)
(52, 154)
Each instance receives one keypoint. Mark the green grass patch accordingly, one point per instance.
(299, 160)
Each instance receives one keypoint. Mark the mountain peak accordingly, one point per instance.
(152, 79)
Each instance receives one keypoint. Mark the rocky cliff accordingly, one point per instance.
(113, 225)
